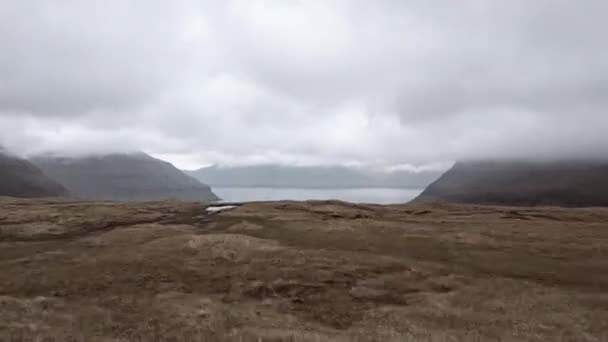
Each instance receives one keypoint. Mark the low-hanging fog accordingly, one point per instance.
(306, 82)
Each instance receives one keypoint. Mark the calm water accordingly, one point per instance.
(367, 195)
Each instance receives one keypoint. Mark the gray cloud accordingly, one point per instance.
(306, 82)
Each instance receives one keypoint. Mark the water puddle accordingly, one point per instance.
(217, 209)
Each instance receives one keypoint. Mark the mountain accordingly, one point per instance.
(311, 177)
(135, 176)
(523, 183)
(20, 178)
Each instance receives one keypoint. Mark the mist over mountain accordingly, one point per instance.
(20, 178)
(134, 176)
(272, 175)
(342, 82)
(575, 183)
(306, 82)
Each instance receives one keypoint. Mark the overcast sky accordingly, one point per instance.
(306, 81)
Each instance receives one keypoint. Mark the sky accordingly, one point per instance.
(306, 82)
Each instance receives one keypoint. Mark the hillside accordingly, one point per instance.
(20, 178)
(523, 183)
(123, 177)
(310, 177)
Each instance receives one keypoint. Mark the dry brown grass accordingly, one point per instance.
(301, 271)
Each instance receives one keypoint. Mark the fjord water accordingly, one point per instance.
(355, 195)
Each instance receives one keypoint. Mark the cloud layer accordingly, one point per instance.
(306, 82)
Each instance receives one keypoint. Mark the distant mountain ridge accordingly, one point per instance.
(133, 176)
(523, 183)
(271, 175)
(21, 178)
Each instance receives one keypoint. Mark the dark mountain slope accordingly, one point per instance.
(123, 177)
(20, 178)
(522, 183)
